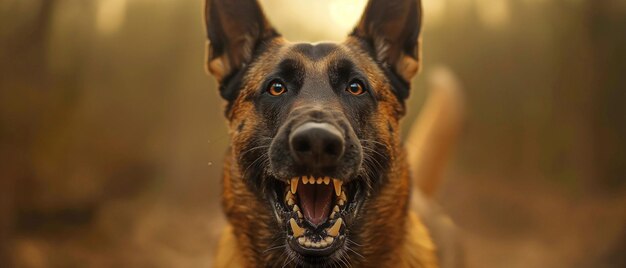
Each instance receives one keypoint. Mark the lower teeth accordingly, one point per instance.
(306, 242)
(331, 233)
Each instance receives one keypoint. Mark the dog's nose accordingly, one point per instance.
(316, 145)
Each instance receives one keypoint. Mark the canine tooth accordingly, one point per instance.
(294, 185)
(329, 239)
(320, 180)
(297, 230)
(334, 230)
(337, 183)
(301, 240)
(305, 179)
(336, 208)
(326, 180)
(296, 208)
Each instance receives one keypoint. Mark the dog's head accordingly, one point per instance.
(314, 129)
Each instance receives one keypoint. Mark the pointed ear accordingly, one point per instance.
(392, 29)
(234, 30)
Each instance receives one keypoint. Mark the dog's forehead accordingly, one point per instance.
(315, 51)
(317, 54)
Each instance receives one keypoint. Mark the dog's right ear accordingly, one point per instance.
(234, 30)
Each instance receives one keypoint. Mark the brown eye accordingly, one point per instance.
(355, 88)
(276, 89)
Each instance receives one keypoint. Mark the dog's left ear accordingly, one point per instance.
(392, 29)
(234, 30)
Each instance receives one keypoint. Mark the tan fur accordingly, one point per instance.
(392, 232)
(407, 238)
(403, 242)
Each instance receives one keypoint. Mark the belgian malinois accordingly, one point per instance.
(316, 174)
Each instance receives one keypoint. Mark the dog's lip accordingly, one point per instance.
(316, 252)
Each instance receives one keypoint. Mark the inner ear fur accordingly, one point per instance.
(392, 28)
(234, 30)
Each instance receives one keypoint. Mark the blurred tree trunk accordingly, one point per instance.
(607, 23)
(22, 57)
(588, 98)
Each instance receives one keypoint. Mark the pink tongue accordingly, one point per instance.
(315, 200)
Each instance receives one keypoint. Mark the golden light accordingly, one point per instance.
(110, 15)
(433, 11)
(313, 21)
(345, 13)
(494, 14)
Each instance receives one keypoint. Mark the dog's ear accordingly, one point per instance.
(392, 29)
(234, 30)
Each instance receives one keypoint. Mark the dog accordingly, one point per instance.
(316, 174)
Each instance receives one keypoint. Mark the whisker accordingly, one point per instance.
(352, 250)
(255, 148)
(261, 157)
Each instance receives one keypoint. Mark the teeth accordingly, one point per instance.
(326, 180)
(334, 230)
(332, 215)
(297, 230)
(342, 199)
(337, 183)
(311, 180)
(290, 199)
(299, 214)
(336, 209)
(296, 208)
(294, 185)
(320, 180)
(305, 179)
(325, 242)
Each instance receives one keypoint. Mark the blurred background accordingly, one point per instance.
(111, 133)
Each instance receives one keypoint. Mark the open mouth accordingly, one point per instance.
(315, 209)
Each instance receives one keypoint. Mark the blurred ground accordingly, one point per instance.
(111, 134)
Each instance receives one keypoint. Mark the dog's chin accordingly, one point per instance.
(316, 213)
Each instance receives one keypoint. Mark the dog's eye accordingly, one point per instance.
(355, 88)
(276, 88)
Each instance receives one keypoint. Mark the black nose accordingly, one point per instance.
(316, 145)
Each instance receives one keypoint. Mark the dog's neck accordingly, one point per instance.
(388, 234)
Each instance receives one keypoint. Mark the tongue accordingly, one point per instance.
(315, 200)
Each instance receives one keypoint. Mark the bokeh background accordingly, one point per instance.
(111, 133)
